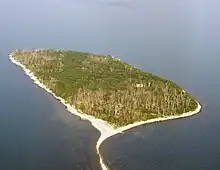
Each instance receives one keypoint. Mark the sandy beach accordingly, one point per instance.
(104, 127)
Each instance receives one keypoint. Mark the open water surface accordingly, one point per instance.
(178, 40)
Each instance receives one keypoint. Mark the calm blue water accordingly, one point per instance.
(177, 40)
(35, 130)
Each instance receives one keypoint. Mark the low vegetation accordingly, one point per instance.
(105, 87)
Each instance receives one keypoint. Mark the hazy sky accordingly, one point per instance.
(107, 24)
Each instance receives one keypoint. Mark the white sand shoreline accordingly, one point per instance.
(105, 128)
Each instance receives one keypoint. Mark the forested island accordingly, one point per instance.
(106, 87)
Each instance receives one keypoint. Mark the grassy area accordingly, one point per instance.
(105, 87)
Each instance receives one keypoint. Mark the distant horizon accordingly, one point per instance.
(175, 40)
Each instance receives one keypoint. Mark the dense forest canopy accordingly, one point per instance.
(105, 86)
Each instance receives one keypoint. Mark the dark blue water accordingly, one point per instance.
(35, 130)
(177, 40)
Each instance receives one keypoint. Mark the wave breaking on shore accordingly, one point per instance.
(104, 127)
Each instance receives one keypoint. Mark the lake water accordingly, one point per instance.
(177, 40)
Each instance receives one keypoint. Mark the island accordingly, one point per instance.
(112, 94)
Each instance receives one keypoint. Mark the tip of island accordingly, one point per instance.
(112, 94)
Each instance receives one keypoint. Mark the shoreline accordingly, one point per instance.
(102, 126)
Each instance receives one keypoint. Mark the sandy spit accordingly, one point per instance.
(104, 127)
